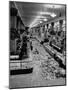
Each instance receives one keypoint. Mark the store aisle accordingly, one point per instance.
(39, 76)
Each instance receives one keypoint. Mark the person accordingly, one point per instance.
(23, 51)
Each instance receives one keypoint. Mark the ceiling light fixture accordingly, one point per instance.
(40, 21)
(45, 19)
(48, 13)
(53, 15)
(51, 6)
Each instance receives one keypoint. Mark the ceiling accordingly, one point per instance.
(35, 13)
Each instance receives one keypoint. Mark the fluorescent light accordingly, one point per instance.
(53, 6)
(40, 21)
(53, 15)
(48, 13)
(45, 19)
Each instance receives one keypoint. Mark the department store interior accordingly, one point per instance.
(37, 44)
